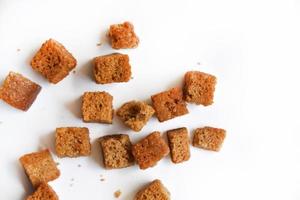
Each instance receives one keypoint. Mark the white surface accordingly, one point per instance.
(251, 46)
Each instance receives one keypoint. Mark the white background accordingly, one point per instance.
(253, 48)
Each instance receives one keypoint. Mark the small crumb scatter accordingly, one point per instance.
(18, 49)
(79, 165)
(102, 179)
(99, 44)
(118, 193)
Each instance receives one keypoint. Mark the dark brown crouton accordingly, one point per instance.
(112, 68)
(150, 150)
(19, 91)
(199, 87)
(179, 144)
(53, 61)
(97, 107)
(116, 150)
(43, 192)
(122, 36)
(135, 114)
(39, 167)
(169, 104)
(154, 191)
(72, 142)
(209, 138)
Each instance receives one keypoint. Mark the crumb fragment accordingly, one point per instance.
(57, 163)
(99, 44)
(117, 193)
(102, 179)
(18, 49)
(72, 179)
(74, 72)
(79, 165)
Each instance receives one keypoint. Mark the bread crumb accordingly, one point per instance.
(102, 179)
(79, 165)
(117, 193)
(18, 49)
(57, 163)
(72, 179)
(71, 185)
(74, 72)
(198, 63)
(99, 44)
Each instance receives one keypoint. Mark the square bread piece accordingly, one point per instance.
(72, 142)
(39, 167)
(154, 191)
(122, 36)
(19, 91)
(199, 88)
(116, 151)
(169, 104)
(53, 61)
(112, 68)
(148, 151)
(43, 192)
(135, 114)
(179, 144)
(97, 107)
(209, 138)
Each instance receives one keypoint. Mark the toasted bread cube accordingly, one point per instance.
(135, 114)
(53, 61)
(122, 36)
(116, 150)
(148, 151)
(97, 107)
(179, 144)
(72, 142)
(169, 104)
(43, 192)
(112, 68)
(199, 88)
(209, 138)
(154, 191)
(19, 91)
(39, 167)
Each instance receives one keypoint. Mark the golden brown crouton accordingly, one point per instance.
(53, 61)
(169, 104)
(97, 107)
(112, 68)
(209, 138)
(40, 167)
(150, 150)
(154, 191)
(19, 91)
(116, 150)
(43, 192)
(72, 142)
(179, 144)
(122, 36)
(135, 114)
(199, 87)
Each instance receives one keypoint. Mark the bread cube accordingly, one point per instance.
(39, 167)
(135, 114)
(169, 104)
(19, 91)
(122, 36)
(112, 68)
(179, 144)
(148, 151)
(199, 88)
(43, 192)
(116, 150)
(53, 61)
(97, 107)
(209, 138)
(72, 142)
(154, 191)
